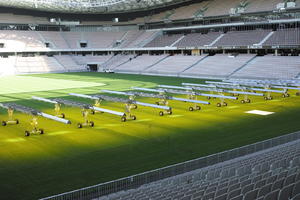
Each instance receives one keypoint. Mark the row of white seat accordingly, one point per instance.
(280, 179)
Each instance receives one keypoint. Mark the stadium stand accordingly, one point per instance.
(117, 61)
(198, 39)
(22, 19)
(129, 37)
(83, 60)
(242, 65)
(29, 40)
(242, 38)
(37, 64)
(21, 40)
(54, 38)
(269, 174)
(189, 11)
(164, 40)
(45, 40)
(218, 65)
(173, 65)
(289, 37)
(93, 39)
(103, 39)
(7, 66)
(261, 5)
(140, 63)
(283, 67)
(68, 63)
(159, 17)
(217, 8)
(202, 9)
(137, 38)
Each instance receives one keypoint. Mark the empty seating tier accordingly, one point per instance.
(139, 63)
(83, 60)
(270, 174)
(173, 64)
(45, 40)
(242, 38)
(284, 37)
(198, 39)
(283, 67)
(218, 65)
(262, 5)
(68, 63)
(163, 40)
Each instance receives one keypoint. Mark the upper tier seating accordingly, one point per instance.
(217, 8)
(187, 12)
(158, 17)
(34, 40)
(198, 39)
(93, 39)
(135, 39)
(37, 40)
(268, 175)
(288, 37)
(284, 67)
(22, 19)
(56, 39)
(208, 8)
(218, 65)
(262, 5)
(242, 38)
(21, 40)
(164, 40)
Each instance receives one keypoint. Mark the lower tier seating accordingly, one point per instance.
(272, 174)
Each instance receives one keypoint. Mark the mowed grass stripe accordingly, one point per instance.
(24, 84)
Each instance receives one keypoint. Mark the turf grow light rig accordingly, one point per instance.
(84, 111)
(220, 90)
(285, 84)
(251, 87)
(163, 100)
(84, 108)
(11, 107)
(132, 96)
(129, 104)
(57, 106)
(162, 93)
(191, 94)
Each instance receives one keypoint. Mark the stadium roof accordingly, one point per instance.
(88, 6)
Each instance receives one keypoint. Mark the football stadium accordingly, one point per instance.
(150, 99)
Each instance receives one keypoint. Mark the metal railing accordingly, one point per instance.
(137, 180)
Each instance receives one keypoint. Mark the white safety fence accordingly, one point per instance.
(137, 180)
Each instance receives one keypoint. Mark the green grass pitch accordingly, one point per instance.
(66, 158)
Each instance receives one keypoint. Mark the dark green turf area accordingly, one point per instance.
(66, 158)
